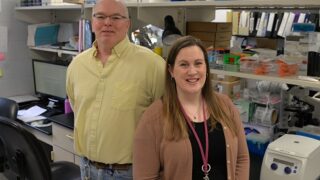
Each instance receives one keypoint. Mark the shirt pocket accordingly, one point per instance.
(125, 96)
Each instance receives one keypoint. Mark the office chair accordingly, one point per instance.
(8, 108)
(22, 155)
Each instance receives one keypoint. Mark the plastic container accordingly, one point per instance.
(257, 144)
(232, 89)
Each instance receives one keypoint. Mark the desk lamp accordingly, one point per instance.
(171, 32)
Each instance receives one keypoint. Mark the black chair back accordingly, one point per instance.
(21, 152)
(8, 108)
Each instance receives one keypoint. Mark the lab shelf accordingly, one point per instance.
(287, 79)
(229, 4)
(58, 51)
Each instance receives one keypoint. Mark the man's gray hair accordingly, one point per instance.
(122, 2)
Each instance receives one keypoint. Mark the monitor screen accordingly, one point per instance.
(49, 78)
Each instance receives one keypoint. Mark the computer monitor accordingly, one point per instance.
(49, 79)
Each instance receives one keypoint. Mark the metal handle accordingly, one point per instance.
(70, 136)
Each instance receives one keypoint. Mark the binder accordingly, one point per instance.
(271, 24)
(289, 24)
(235, 23)
(244, 23)
(254, 16)
(301, 18)
(296, 17)
(282, 27)
(258, 22)
(314, 18)
(42, 34)
(262, 28)
(87, 34)
(277, 24)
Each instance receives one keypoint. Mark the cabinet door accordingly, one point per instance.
(62, 137)
(77, 160)
(60, 154)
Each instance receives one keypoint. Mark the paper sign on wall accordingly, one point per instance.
(3, 38)
(2, 56)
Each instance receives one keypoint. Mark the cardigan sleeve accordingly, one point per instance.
(146, 161)
(243, 160)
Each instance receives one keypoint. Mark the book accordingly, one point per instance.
(235, 22)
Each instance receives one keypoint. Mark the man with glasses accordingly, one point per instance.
(109, 86)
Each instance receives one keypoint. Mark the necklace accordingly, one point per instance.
(195, 115)
(204, 155)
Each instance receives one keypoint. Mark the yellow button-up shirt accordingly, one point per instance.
(109, 99)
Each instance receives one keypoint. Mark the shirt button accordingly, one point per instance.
(229, 177)
(224, 127)
(228, 145)
(228, 162)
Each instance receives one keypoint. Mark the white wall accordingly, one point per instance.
(17, 76)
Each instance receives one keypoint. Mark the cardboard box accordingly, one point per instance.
(224, 27)
(267, 43)
(221, 77)
(223, 36)
(204, 36)
(216, 44)
(201, 27)
(208, 27)
(232, 89)
(222, 44)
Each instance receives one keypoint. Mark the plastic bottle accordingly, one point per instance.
(158, 47)
(67, 106)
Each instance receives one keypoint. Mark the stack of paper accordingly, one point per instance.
(31, 114)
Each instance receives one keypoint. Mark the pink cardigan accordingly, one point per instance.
(156, 158)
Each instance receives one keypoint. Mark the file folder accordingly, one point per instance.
(42, 34)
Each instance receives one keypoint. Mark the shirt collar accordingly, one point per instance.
(117, 50)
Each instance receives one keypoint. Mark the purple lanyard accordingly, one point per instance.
(203, 155)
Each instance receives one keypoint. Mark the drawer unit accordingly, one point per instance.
(62, 140)
(62, 137)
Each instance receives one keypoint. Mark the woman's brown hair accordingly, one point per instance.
(175, 126)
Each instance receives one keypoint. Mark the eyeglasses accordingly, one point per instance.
(112, 18)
